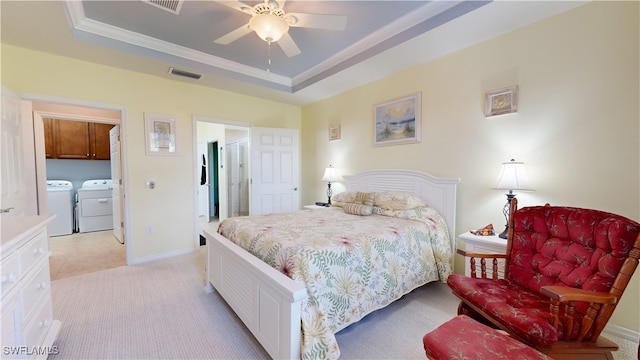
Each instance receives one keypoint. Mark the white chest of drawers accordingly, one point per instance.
(28, 327)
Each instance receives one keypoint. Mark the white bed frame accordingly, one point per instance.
(267, 301)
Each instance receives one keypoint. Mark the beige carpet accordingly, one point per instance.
(82, 253)
(159, 310)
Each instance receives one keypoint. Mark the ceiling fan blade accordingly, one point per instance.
(288, 45)
(320, 21)
(234, 35)
(238, 5)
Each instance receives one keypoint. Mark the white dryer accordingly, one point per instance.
(60, 203)
(95, 206)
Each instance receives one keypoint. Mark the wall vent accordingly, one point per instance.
(172, 6)
(178, 72)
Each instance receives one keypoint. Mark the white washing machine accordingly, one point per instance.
(60, 203)
(95, 206)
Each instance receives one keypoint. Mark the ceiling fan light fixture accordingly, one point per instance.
(290, 19)
(269, 28)
(273, 5)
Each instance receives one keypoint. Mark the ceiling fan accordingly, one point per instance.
(271, 23)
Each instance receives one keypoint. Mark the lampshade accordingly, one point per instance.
(513, 177)
(269, 27)
(330, 174)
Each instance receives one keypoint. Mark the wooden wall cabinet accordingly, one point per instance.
(68, 139)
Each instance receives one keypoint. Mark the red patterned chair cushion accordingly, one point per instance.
(524, 312)
(464, 338)
(562, 246)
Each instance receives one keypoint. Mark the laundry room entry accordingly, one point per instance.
(79, 152)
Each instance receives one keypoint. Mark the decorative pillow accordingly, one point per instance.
(364, 198)
(358, 209)
(340, 199)
(394, 200)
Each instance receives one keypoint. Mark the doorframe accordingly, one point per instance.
(196, 165)
(40, 156)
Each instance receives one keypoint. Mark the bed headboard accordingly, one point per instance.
(437, 192)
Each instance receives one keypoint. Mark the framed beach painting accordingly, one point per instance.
(398, 121)
(160, 133)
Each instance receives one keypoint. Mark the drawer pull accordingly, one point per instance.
(42, 285)
(11, 278)
(44, 323)
(38, 251)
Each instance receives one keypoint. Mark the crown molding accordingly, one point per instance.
(80, 22)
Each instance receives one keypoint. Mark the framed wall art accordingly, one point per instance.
(501, 101)
(398, 121)
(334, 132)
(160, 134)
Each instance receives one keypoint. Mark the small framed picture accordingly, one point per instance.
(160, 134)
(501, 101)
(334, 132)
(398, 121)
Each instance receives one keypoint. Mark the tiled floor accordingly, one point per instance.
(81, 253)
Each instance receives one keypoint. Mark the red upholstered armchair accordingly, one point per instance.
(565, 270)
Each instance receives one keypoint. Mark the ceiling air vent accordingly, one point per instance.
(172, 6)
(183, 73)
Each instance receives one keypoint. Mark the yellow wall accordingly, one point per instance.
(576, 127)
(169, 209)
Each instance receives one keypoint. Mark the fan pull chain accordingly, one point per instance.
(269, 56)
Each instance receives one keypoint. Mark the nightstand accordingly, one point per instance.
(312, 207)
(484, 244)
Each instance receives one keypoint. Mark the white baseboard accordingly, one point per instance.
(161, 256)
(622, 332)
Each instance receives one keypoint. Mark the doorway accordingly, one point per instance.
(213, 184)
(214, 139)
(78, 171)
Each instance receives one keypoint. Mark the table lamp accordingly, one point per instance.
(329, 175)
(512, 177)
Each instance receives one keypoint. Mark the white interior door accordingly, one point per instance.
(18, 175)
(275, 170)
(116, 177)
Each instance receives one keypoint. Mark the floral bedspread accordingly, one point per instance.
(351, 265)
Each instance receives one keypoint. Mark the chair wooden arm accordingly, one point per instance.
(568, 296)
(481, 255)
(483, 263)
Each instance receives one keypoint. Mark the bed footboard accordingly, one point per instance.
(267, 301)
